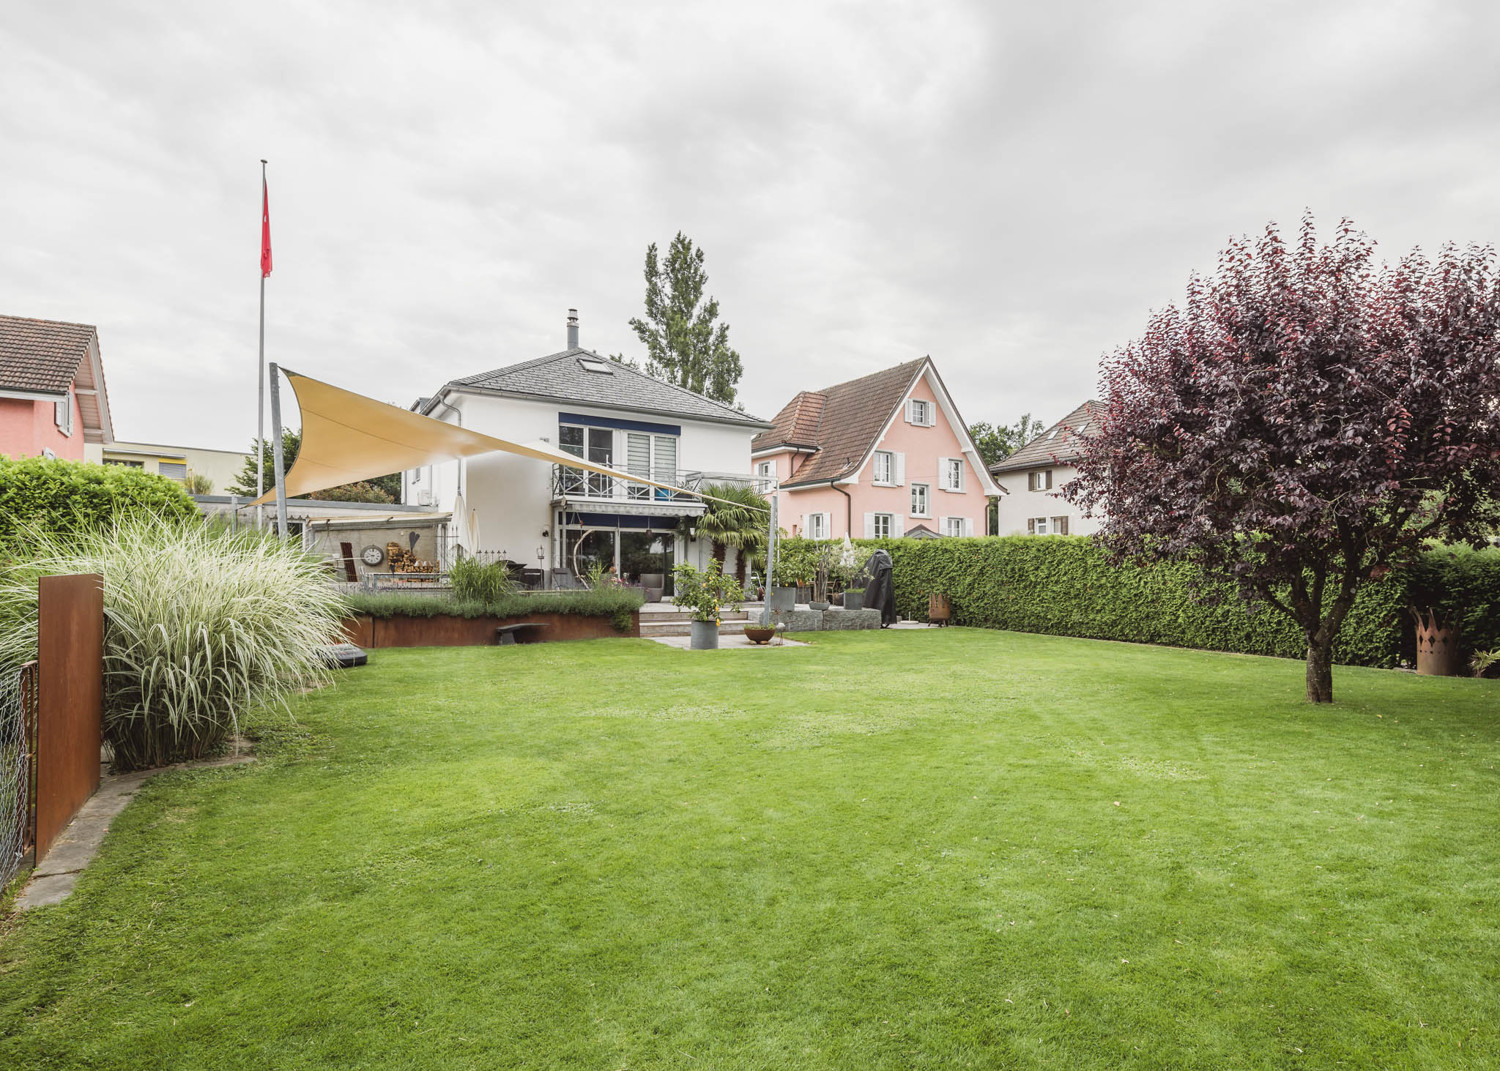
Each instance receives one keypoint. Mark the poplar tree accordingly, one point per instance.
(684, 343)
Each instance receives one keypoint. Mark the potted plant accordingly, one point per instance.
(851, 571)
(705, 593)
(759, 633)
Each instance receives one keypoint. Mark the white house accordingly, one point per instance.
(554, 518)
(1032, 479)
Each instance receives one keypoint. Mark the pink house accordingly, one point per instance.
(881, 456)
(52, 397)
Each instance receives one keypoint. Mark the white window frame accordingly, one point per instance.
(1039, 480)
(62, 415)
(889, 520)
(926, 492)
(963, 524)
(1059, 525)
(923, 418)
(885, 459)
(1037, 526)
(948, 467)
(818, 526)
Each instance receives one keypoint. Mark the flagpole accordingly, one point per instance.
(260, 412)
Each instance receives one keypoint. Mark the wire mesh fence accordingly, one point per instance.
(18, 706)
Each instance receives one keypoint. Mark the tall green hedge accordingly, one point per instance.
(62, 497)
(1062, 585)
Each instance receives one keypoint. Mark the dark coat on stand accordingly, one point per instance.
(880, 593)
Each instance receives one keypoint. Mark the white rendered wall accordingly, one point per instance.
(1015, 508)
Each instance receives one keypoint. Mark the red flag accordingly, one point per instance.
(265, 231)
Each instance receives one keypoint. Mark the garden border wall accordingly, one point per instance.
(451, 630)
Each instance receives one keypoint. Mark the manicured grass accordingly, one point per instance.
(934, 849)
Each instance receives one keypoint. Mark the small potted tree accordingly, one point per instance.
(705, 593)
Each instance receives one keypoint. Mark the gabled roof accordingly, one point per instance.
(566, 377)
(796, 426)
(845, 421)
(44, 358)
(41, 355)
(1058, 445)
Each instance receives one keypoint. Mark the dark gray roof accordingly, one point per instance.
(562, 377)
(1058, 445)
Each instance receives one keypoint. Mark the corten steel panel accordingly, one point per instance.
(446, 630)
(70, 699)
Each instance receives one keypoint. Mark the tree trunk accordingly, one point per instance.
(1319, 668)
(716, 551)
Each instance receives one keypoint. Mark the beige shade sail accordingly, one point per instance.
(347, 437)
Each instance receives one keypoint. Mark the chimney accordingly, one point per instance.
(572, 329)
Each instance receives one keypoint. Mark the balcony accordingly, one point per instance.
(579, 486)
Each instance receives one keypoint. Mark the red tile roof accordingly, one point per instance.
(839, 424)
(41, 355)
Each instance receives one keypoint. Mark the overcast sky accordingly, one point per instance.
(1007, 187)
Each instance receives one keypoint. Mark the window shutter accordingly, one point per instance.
(969, 526)
(942, 480)
(804, 526)
(898, 525)
(1048, 474)
(910, 415)
(931, 415)
(869, 526)
(900, 468)
(1031, 526)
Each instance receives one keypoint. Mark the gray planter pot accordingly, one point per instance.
(817, 606)
(703, 635)
(854, 600)
(782, 599)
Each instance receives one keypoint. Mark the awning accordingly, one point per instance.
(347, 437)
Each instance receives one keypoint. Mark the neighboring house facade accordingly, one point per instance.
(181, 463)
(52, 396)
(881, 456)
(561, 519)
(1034, 476)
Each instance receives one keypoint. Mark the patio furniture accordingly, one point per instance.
(505, 635)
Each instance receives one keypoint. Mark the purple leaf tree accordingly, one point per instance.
(1303, 423)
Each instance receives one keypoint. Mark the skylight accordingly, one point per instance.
(590, 364)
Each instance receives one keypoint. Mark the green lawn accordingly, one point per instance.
(912, 849)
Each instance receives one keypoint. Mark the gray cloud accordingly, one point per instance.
(1009, 187)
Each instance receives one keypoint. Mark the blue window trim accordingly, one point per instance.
(621, 425)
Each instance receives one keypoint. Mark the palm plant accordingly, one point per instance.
(739, 521)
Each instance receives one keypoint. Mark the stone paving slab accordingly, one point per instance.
(727, 642)
(75, 846)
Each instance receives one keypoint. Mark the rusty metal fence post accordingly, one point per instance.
(70, 699)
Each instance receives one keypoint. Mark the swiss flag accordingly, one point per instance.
(265, 230)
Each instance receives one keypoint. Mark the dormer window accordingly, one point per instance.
(593, 364)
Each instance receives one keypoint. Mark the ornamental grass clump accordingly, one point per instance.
(201, 626)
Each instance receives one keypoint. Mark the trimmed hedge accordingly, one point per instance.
(63, 497)
(1063, 586)
(616, 604)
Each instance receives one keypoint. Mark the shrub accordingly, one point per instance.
(201, 625)
(617, 604)
(1063, 585)
(62, 497)
(474, 581)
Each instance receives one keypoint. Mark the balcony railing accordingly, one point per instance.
(579, 484)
